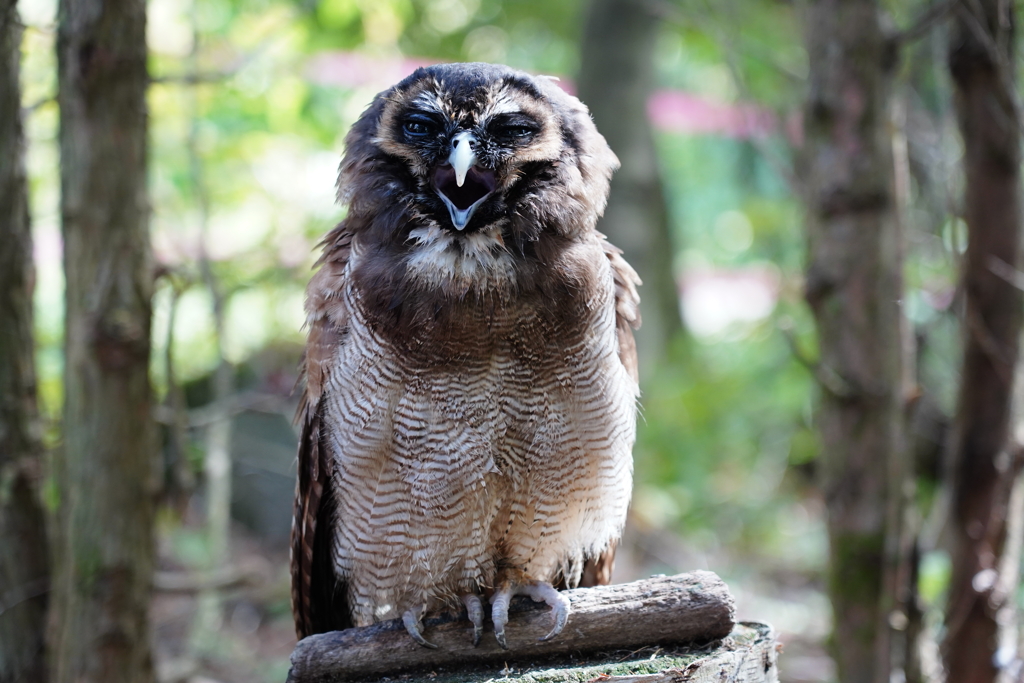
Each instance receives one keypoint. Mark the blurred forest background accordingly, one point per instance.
(731, 118)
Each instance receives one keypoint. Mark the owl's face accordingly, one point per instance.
(456, 176)
(467, 139)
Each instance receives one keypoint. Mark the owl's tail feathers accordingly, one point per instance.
(538, 591)
(597, 571)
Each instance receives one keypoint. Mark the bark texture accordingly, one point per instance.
(748, 655)
(688, 608)
(854, 287)
(107, 469)
(24, 563)
(615, 81)
(983, 461)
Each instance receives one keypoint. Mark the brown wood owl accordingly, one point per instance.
(471, 378)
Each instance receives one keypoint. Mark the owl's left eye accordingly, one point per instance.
(516, 131)
(517, 128)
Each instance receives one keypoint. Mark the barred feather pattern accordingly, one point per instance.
(514, 452)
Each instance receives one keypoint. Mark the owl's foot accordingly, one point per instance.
(475, 612)
(411, 619)
(539, 591)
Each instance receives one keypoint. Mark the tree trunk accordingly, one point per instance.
(984, 463)
(615, 81)
(107, 470)
(24, 563)
(854, 287)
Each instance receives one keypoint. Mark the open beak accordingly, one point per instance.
(460, 183)
(463, 156)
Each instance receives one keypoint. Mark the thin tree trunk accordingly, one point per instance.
(615, 81)
(179, 481)
(895, 649)
(854, 287)
(983, 460)
(24, 562)
(108, 467)
(217, 440)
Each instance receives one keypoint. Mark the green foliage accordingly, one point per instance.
(191, 547)
(934, 574)
(735, 50)
(706, 177)
(722, 423)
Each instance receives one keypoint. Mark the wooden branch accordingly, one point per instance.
(194, 582)
(925, 23)
(687, 608)
(232, 405)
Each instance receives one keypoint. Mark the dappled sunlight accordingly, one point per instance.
(728, 301)
(249, 105)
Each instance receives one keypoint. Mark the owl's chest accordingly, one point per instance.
(468, 400)
(448, 395)
(492, 440)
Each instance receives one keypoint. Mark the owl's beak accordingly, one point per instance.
(460, 183)
(463, 156)
(462, 201)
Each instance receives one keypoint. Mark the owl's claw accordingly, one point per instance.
(539, 591)
(499, 612)
(559, 604)
(475, 612)
(411, 619)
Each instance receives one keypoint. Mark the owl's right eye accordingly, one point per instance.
(418, 127)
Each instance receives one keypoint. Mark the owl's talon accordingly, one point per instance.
(499, 613)
(559, 604)
(475, 612)
(539, 591)
(411, 619)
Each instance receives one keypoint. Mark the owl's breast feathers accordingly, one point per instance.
(320, 603)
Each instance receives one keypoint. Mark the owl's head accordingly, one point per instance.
(461, 170)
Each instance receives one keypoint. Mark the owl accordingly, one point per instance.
(469, 407)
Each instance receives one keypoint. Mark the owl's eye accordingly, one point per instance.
(418, 127)
(518, 129)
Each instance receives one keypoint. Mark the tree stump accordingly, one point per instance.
(678, 628)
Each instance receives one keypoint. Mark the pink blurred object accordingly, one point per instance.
(354, 69)
(713, 299)
(676, 111)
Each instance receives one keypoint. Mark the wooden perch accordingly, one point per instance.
(660, 611)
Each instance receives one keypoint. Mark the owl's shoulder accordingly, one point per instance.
(627, 306)
(327, 316)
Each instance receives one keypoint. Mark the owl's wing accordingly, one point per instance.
(597, 571)
(318, 599)
(627, 307)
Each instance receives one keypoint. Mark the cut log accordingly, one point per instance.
(747, 655)
(652, 619)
